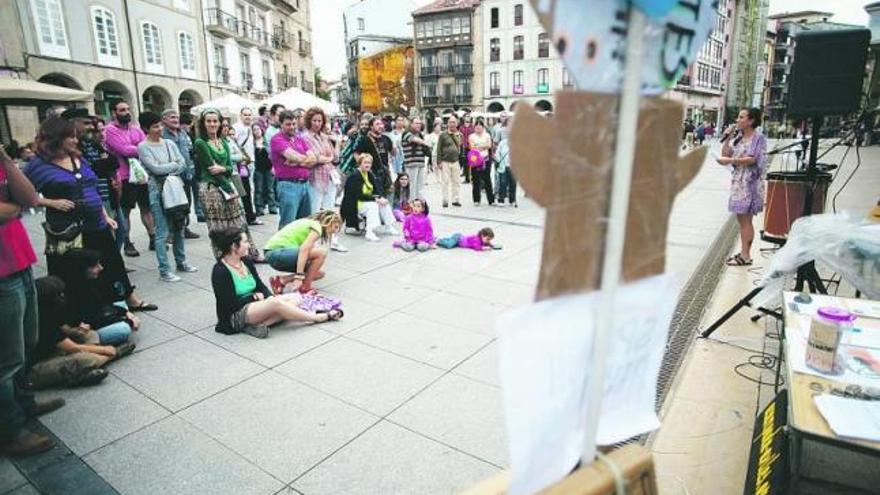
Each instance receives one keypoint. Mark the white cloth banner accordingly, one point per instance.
(545, 361)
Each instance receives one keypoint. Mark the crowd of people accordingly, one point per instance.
(88, 175)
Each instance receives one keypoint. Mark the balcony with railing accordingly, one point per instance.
(267, 85)
(446, 70)
(518, 54)
(221, 74)
(494, 91)
(447, 99)
(308, 86)
(287, 6)
(430, 100)
(305, 47)
(221, 23)
(495, 55)
(684, 80)
(247, 81)
(465, 98)
(461, 69)
(248, 35)
(286, 81)
(430, 71)
(284, 38)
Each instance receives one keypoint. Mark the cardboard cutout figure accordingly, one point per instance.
(564, 163)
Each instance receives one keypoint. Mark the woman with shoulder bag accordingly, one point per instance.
(241, 173)
(162, 160)
(213, 159)
(75, 215)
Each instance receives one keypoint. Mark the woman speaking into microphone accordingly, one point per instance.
(745, 149)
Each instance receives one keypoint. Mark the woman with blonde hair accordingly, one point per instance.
(300, 249)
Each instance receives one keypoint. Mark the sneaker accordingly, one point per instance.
(371, 237)
(445, 204)
(27, 444)
(257, 331)
(189, 234)
(93, 377)
(273, 212)
(130, 250)
(457, 204)
(390, 230)
(169, 277)
(337, 246)
(187, 268)
(125, 349)
(42, 407)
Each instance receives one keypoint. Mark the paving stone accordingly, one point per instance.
(385, 293)
(24, 490)
(10, 478)
(183, 371)
(278, 424)
(95, 416)
(71, 476)
(458, 311)
(172, 456)
(483, 366)
(431, 343)
(190, 313)
(367, 377)
(284, 342)
(357, 314)
(460, 412)
(494, 291)
(389, 459)
(153, 332)
(411, 272)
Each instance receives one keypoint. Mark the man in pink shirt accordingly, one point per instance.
(18, 317)
(121, 138)
(291, 162)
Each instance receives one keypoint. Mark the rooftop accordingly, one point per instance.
(800, 13)
(438, 6)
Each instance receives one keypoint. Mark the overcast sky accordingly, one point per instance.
(328, 35)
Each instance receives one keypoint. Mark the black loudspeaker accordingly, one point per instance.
(828, 72)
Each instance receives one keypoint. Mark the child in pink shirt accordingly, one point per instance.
(418, 232)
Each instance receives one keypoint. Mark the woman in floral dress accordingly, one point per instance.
(747, 154)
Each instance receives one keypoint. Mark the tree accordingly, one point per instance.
(321, 93)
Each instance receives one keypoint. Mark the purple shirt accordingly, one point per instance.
(79, 186)
(279, 144)
(471, 242)
(122, 142)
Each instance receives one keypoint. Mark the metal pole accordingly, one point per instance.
(624, 154)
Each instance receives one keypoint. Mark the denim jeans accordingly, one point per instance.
(115, 334)
(506, 186)
(264, 191)
(284, 259)
(162, 234)
(18, 335)
(294, 200)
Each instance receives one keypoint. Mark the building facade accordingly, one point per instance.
(258, 47)
(787, 27)
(448, 56)
(519, 61)
(749, 18)
(702, 88)
(371, 27)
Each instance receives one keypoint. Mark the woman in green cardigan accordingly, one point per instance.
(219, 197)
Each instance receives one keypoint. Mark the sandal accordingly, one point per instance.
(143, 306)
(276, 284)
(332, 315)
(737, 260)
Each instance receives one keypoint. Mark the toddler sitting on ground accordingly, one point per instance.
(417, 230)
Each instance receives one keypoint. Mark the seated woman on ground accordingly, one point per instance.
(293, 250)
(88, 306)
(363, 199)
(244, 303)
(65, 354)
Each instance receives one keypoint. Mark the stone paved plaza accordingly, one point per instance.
(401, 396)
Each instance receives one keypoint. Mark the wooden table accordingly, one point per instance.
(816, 452)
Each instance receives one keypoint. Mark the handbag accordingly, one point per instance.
(475, 160)
(59, 241)
(136, 172)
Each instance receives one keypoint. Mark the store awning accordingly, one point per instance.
(24, 91)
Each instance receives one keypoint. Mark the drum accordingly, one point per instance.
(785, 201)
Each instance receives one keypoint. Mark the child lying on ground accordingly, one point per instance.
(481, 241)
(417, 230)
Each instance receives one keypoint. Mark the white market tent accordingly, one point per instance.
(229, 105)
(24, 90)
(295, 98)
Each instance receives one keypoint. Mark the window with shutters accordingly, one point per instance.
(494, 84)
(152, 47)
(518, 47)
(494, 18)
(518, 87)
(518, 15)
(51, 34)
(495, 50)
(543, 45)
(187, 52)
(106, 37)
(543, 81)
